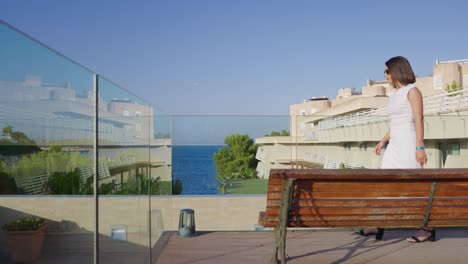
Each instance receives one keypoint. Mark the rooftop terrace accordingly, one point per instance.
(122, 150)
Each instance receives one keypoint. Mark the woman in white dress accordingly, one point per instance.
(405, 139)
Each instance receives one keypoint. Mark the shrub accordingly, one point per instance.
(51, 160)
(7, 184)
(65, 183)
(177, 187)
(25, 224)
(106, 188)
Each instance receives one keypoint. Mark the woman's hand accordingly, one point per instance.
(379, 147)
(421, 156)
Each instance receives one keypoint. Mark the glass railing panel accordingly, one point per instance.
(46, 145)
(161, 170)
(125, 125)
(161, 154)
(228, 154)
(220, 167)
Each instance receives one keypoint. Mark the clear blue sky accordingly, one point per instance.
(243, 57)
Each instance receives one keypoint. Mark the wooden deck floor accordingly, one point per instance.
(316, 247)
(257, 247)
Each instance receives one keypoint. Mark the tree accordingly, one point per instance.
(55, 148)
(177, 187)
(275, 134)
(454, 87)
(7, 130)
(21, 138)
(283, 133)
(3, 167)
(237, 159)
(14, 143)
(16, 136)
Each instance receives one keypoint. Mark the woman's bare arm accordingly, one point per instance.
(416, 101)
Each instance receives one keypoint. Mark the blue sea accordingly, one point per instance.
(194, 166)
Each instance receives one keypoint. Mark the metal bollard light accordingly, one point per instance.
(187, 223)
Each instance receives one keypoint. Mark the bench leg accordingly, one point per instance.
(281, 228)
(274, 258)
(280, 245)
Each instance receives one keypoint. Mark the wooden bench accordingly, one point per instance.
(358, 198)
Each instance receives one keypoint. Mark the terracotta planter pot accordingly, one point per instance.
(26, 246)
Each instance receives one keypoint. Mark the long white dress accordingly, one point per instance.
(401, 150)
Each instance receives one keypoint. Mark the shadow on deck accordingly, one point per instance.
(325, 246)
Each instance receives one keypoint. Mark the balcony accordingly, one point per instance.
(101, 164)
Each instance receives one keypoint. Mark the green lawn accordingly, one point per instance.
(165, 188)
(253, 186)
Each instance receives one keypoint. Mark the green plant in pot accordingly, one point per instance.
(25, 239)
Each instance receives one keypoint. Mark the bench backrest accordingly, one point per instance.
(370, 197)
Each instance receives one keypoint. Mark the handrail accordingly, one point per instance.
(462, 61)
(443, 103)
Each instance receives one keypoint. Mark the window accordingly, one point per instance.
(363, 147)
(126, 113)
(347, 147)
(138, 114)
(437, 81)
(448, 149)
(453, 149)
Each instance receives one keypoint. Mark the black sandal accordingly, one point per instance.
(378, 235)
(429, 238)
(361, 233)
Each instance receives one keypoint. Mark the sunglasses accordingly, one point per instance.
(386, 72)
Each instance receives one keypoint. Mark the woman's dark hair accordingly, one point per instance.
(400, 70)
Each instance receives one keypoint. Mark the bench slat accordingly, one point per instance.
(361, 186)
(379, 223)
(438, 202)
(438, 216)
(334, 217)
(317, 187)
(353, 211)
(359, 202)
(373, 194)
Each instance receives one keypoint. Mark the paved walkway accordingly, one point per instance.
(316, 247)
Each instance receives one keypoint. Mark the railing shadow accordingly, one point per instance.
(360, 246)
